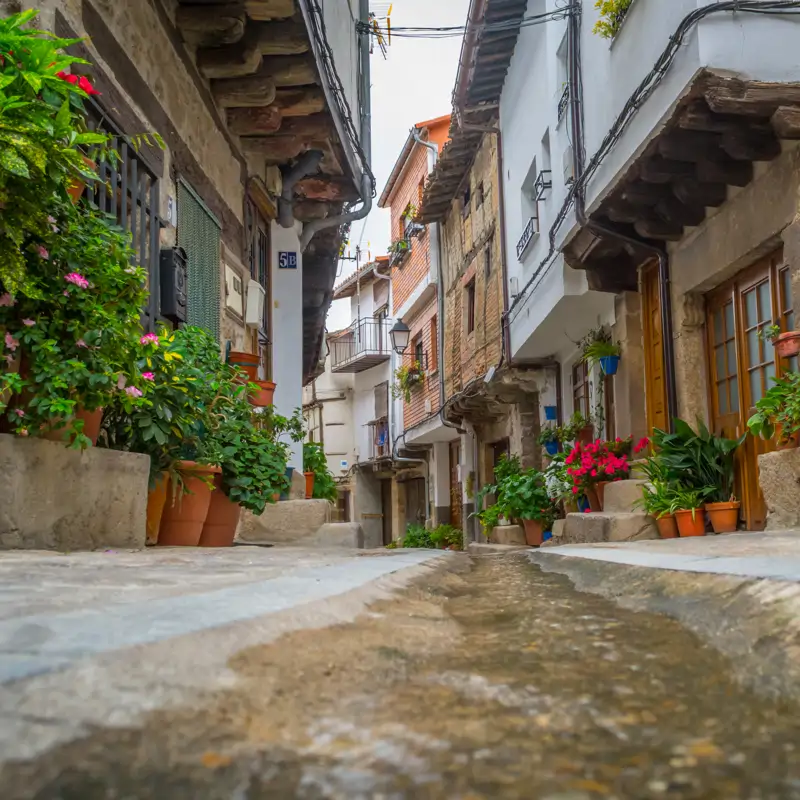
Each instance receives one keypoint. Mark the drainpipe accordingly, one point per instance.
(576, 114)
(306, 164)
(506, 332)
(367, 185)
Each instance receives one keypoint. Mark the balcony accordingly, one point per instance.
(380, 445)
(360, 347)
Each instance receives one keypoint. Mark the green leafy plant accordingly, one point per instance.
(527, 498)
(612, 14)
(315, 460)
(410, 212)
(408, 377)
(399, 246)
(418, 536)
(549, 433)
(569, 432)
(557, 480)
(598, 344)
(506, 469)
(657, 499)
(693, 500)
(448, 537)
(699, 460)
(770, 333)
(778, 409)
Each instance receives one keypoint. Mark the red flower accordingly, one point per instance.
(87, 87)
(65, 76)
(643, 443)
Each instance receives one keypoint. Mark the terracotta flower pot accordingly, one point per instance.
(570, 507)
(156, 499)
(75, 189)
(788, 444)
(92, 421)
(185, 513)
(667, 527)
(691, 523)
(724, 516)
(309, 476)
(265, 394)
(600, 490)
(594, 500)
(247, 362)
(586, 436)
(787, 345)
(222, 519)
(534, 532)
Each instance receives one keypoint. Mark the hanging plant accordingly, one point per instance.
(612, 14)
(408, 377)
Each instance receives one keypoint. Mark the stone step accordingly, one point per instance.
(508, 534)
(607, 527)
(622, 496)
(285, 522)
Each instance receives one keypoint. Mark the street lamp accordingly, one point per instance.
(400, 334)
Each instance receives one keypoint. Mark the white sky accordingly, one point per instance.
(413, 84)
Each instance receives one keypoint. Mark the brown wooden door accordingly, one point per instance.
(456, 517)
(743, 365)
(656, 389)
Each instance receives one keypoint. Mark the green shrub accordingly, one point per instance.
(448, 537)
(418, 536)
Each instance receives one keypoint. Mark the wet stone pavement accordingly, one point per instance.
(486, 679)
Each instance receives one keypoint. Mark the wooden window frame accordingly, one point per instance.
(581, 389)
(433, 361)
(469, 320)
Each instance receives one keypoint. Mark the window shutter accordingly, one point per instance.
(199, 236)
(381, 400)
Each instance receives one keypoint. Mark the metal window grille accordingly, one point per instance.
(199, 236)
(129, 192)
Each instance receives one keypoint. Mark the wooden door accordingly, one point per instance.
(743, 365)
(656, 389)
(456, 517)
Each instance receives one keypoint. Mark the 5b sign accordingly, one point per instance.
(287, 260)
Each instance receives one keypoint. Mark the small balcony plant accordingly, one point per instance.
(612, 15)
(598, 347)
(398, 250)
(408, 377)
(787, 345)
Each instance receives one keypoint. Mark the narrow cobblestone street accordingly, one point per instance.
(484, 678)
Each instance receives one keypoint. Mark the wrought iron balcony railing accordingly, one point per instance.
(363, 345)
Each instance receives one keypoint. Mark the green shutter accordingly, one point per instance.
(199, 236)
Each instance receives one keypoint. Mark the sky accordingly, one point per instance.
(414, 83)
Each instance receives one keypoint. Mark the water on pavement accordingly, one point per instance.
(490, 680)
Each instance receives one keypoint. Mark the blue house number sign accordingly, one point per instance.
(287, 260)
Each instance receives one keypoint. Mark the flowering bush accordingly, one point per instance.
(593, 463)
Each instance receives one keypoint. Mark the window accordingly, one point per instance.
(434, 359)
(408, 219)
(470, 300)
(487, 259)
(479, 195)
(419, 352)
(580, 388)
(199, 235)
(466, 200)
(420, 193)
(382, 400)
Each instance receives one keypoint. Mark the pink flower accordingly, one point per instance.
(7, 300)
(11, 343)
(149, 338)
(66, 292)
(29, 323)
(148, 376)
(587, 510)
(43, 252)
(19, 412)
(52, 220)
(77, 279)
(133, 391)
(81, 343)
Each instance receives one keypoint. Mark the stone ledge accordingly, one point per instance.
(622, 496)
(285, 522)
(54, 498)
(779, 476)
(607, 527)
(508, 534)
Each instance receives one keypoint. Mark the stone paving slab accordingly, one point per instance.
(773, 555)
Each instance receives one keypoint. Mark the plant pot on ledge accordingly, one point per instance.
(787, 345)
(185, 514)
(309, 476)
(247, 362)
(534, 532)
(222, 519)
(667, 526)
(724, 517)
(265, 394)
(691, 522)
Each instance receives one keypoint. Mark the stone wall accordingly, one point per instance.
(55, 498)
(630, 416)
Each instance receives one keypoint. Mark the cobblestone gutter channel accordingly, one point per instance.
(487, 678)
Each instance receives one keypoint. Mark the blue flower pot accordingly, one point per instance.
(583, 504)
(547, 536)
(551, 413)
(551, 447)
(289, 474)
(609, 364)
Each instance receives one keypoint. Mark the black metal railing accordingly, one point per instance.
(365, 340)
(531, 229)
(129, 191)
(563, 102)
(380, 446)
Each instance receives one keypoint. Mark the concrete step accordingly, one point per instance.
(508, 534)
(622, 496)
(608, 527)
(285, 522)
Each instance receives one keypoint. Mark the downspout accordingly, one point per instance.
(306, 164)
(506, 332)
(366, 187)
(576, 86)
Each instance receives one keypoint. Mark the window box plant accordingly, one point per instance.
(787, 345)
(612, 15)
(779, 411)
(599, 348)
(408, 376)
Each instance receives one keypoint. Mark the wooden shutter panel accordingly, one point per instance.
(382, 400)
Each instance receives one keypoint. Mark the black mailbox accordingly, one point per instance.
(174, 284)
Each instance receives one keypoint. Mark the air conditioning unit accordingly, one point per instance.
(234, 291)
(569, 166)
(256, 298)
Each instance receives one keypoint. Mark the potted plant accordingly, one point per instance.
(657, 501)
(322, 484)
(592, 466)
(551, 413)
(262, 393)
(558, 483)
(527, 499)
(408, 377)
(246, 362)
(688, 507)
(779, 410)
(787, 345)
(597, 347)
(548, 438)
(491, 515)
(578, 429)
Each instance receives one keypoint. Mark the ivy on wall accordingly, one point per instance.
(612, 14)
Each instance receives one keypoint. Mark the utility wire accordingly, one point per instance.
(631, 108)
